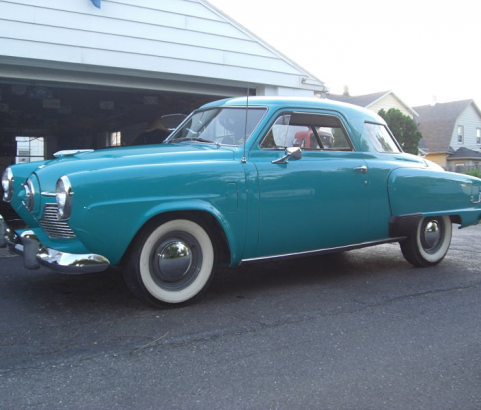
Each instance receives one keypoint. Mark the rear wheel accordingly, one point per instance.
(170, 264)
(430, 243)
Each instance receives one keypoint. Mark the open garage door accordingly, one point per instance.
(38, 119)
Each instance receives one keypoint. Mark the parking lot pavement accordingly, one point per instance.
(4, 253)
(358, 330)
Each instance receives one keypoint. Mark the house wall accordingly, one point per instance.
(470, 120)
(463, 165)
(388, 102)
(186, 39)
(439, 159)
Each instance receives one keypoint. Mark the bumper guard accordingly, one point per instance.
(35, 254)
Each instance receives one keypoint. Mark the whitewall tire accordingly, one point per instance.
(170, 264)
(430, 243)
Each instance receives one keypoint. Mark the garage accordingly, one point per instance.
(91, 74)
(40, 118)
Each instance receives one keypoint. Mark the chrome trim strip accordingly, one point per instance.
(70, 152)
(322, 251)
(50, 194)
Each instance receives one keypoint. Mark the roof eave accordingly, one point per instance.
(306, 81)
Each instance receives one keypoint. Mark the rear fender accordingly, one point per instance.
(432, 193)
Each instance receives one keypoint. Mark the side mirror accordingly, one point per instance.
(291, 152)
(172, 121)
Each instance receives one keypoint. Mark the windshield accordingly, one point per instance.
(226, 126)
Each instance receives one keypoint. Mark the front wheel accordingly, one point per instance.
(170, 264)
(430, 243)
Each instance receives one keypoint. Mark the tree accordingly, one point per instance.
(404, 129)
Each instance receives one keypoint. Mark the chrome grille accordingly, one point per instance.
(54, 228)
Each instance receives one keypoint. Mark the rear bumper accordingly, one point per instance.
(35, 254)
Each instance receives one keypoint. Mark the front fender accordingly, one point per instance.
(431, 193)
(114, 241)
(111, 206)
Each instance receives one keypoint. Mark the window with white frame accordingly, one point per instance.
(478, 135)
(461, 134)
(29, 149)
(114, 139)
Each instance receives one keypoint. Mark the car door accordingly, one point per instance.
(318, 201)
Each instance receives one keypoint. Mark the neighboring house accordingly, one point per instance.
(464, 159)
(376, 102)
(451, 134)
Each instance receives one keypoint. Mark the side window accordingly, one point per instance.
(307, 131)
(461, 134)
(381, 138)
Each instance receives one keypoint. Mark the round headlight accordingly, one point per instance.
(7, 185)
(64, 198)
(29, 195)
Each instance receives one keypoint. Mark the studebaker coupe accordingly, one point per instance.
(239, 180)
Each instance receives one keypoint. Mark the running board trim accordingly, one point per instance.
(322, 251)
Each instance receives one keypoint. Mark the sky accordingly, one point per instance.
(423, 50)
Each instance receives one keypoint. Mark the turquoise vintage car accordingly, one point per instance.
(239, 180)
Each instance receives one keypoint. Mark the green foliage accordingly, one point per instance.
(404, 129)
(474, 173)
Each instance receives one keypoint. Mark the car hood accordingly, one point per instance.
(48, 172)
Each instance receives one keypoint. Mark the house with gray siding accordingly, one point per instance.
(451, 133)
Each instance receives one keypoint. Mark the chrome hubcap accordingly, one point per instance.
(174, 260)
(432, 234)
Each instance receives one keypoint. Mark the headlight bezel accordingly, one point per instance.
(30, 193)
(7, 185)
(63, 197)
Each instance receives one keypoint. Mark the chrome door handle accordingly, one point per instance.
(363, 169)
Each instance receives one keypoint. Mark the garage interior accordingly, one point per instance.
(57, 117)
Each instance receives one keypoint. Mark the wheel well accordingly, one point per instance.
(405, 225)
(456, 219)
(204, 219)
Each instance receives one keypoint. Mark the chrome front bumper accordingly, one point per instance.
(35, 254)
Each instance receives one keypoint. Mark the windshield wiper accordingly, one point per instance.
(193, 139)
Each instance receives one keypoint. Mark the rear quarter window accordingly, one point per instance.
(381, 138)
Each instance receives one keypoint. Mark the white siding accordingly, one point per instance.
(470, 120)
(388, 102)
(185, 38)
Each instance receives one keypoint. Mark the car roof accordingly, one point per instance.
(348, 110)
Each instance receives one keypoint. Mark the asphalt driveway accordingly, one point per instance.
(359, 330)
